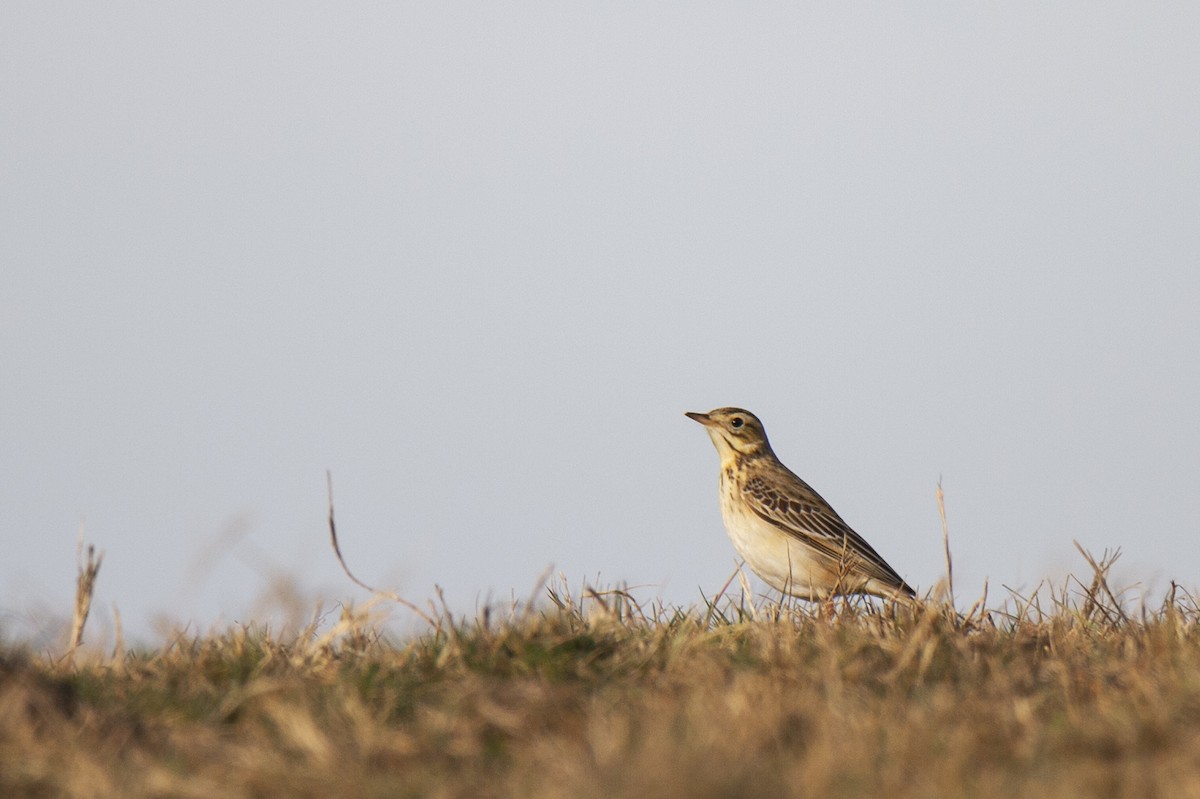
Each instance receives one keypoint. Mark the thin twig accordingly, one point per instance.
(337, 550)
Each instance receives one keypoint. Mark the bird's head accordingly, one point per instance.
(735, 432)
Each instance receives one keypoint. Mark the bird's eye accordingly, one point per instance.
(736, 422)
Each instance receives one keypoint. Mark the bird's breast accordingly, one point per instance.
(780, 559)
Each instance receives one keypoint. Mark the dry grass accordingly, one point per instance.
(85, 586)
(1067, 692)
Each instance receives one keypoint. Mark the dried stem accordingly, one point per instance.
(941, 501)
(85, 587)
(337, 550)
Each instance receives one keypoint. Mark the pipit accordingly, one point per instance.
(784, 531)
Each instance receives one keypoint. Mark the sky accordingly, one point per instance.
(477, 260)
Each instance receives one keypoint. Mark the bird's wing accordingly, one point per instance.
(792, 505)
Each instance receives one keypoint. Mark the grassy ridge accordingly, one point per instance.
(599, 698)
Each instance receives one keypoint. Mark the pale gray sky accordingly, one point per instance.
(478, 259)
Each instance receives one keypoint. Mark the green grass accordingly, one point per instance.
(1064, 695)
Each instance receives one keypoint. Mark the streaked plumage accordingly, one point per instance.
(787, 534)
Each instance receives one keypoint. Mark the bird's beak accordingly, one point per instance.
(702, 418)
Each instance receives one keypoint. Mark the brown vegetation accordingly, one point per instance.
(1065, 693)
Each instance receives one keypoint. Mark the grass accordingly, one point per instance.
(1067, 692)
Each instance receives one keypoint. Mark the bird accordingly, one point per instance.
(784, 530)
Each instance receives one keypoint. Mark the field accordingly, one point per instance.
(1064, 693)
